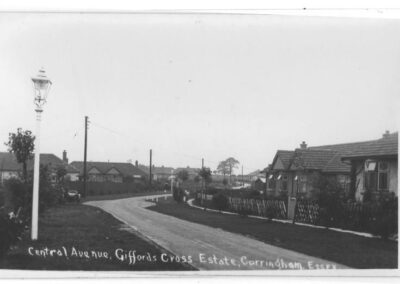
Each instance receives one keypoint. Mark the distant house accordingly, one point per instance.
(252, 177)
(158, 173)
(9, 167)
(192, 172)
(109, 171)
(374, 167)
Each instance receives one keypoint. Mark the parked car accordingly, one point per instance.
(73, 196)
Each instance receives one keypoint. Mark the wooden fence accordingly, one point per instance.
(352, 214)
(306, 212)
(259, 207)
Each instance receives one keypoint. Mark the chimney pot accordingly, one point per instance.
(136, 163)
(386, 134)
(303, 145)
(64, 157)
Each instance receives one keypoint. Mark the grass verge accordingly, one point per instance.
(353, 251)
(86, 238)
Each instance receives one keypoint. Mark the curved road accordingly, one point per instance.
(207, 248)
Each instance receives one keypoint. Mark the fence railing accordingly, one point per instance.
(306, 212)
(258, 207)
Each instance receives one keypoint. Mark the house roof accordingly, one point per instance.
(162, 170)
(387, 146)
(331, 158)
(285, 156)
(156, 170)
(323, 160)
(191, 171)
(126, 169)
(8, 162)
(255, 173)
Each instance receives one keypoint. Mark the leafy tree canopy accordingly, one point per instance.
(183, 175)
(22, 145)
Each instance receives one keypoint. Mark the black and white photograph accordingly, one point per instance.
(198, 143)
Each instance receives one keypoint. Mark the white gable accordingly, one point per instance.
(278, 165)
(113, 171)
(94, 171)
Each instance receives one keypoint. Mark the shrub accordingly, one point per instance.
(254, 193)
(11, 229)
(270, 213)
(244, 212)
(211, 190)
(385, 221)
(178, 194)
(220, 201)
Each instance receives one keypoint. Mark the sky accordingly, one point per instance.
(199, 86)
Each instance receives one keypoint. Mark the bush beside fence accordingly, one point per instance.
(378, 218)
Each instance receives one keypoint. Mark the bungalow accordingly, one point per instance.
(374, 167)
(108, 171)
(192, 172)
(294, 173)
(9, 167)
(158, 173)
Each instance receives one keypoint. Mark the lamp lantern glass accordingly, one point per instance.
(41, 86)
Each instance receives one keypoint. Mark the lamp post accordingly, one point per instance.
(41, 86)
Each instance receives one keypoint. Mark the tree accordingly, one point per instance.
(205, 174)
(61, 173)
(22, 145)
(232, 163)
(223, 168)
(183, 175)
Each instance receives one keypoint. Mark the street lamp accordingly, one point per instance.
(41, 86)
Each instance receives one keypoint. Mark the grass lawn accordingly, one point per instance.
(121, 195)
(351, 250)
(85, 238)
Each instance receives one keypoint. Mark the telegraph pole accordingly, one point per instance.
(204, 182)
(151, 166)
(85, 159)
(242, 178)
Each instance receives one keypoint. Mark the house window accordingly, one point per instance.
(284, 183)
(344, 182)
(383, 169)
(371, 177)
(271, 182)
(303, 183)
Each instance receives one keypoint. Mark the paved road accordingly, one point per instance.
(208, 248)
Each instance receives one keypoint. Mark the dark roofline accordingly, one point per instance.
(277, 154)
(341, 144)
(372, 156)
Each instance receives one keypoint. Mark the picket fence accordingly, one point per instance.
(306, 212)
(258, 207)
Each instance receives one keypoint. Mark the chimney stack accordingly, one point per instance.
(136, 163)
(386, 134)
(303, 145)
(64, 157)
